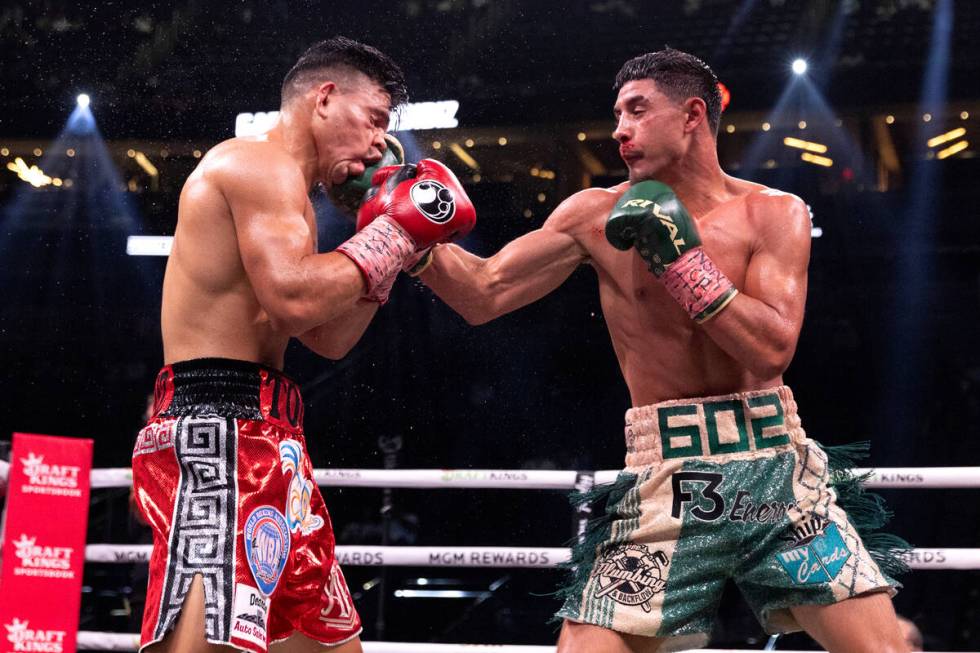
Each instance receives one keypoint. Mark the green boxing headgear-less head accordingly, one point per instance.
(349, 195)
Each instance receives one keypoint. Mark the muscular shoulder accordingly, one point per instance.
(244, 166)
(777, 213)
(580, 210)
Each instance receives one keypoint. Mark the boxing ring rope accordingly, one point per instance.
(113, 642)
(538, 479)
(510, 557)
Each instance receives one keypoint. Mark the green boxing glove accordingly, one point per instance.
(651, 218)
(349, 195)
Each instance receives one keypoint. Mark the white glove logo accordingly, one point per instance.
(433, 200)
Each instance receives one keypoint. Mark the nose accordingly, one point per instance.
(378, 147)
(621, 133)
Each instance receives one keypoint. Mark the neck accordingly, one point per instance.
(292, 132)
(697, 177)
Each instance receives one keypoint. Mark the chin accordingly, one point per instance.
(636, 176)
(646, 173)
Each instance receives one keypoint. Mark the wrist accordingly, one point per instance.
(418, 263)
(696, 283)
(379, 295)
(379, 250)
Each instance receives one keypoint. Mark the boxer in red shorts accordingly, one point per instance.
(243, 555)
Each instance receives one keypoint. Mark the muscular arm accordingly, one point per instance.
(299, 288)
(525, 270)
(337, 337)
(761, 326)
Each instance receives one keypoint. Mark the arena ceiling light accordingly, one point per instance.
(145, 163)
(801, 144)
(945, 138)
(816, 159)
(464, 156)
(799, 66)
(952, 149)
(31, 174)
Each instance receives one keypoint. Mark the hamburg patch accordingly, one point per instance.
(631, 575)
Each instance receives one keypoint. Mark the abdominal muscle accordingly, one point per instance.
(663, 353)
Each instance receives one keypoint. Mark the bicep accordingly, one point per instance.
(272, 229)
(777, 270)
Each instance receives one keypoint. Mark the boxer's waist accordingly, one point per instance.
(712, 426)
(229, 388)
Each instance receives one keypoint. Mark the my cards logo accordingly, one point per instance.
(42, 561)
(819, 553)
(42, 478)
(24, 638)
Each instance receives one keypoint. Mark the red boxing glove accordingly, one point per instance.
(425, 199)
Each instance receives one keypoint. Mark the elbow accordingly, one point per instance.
(775, 361)
(334, 354)
(770, 369)
(331, 350)
(290, 318)
(476, 319)
(482, 306)
(475, 316)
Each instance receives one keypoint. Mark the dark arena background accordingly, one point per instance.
(886, 114)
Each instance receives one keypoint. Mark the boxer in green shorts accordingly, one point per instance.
(717, 488)
(702, 278)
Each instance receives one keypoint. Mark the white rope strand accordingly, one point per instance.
(547, 479)
(88, 641)
(515, 479)
(494, 557)
(923, 477)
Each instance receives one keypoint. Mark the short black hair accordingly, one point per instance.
(342, 52)
(678, 75)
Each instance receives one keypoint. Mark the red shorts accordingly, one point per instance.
(222, 476)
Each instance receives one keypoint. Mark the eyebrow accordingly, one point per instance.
(629, 101)
(381, 116)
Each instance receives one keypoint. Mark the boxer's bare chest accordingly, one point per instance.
(661, 350)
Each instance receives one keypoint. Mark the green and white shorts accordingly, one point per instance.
(717, 488)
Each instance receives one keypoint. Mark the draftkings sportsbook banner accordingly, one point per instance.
(44, 543)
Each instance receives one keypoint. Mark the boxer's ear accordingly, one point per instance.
(326, 92)
(697, 112)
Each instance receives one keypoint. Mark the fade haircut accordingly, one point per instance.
(341, 54)
(678, 75)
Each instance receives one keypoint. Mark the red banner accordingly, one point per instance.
(44, 543)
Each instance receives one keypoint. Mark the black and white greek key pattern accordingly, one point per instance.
(202, 537)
